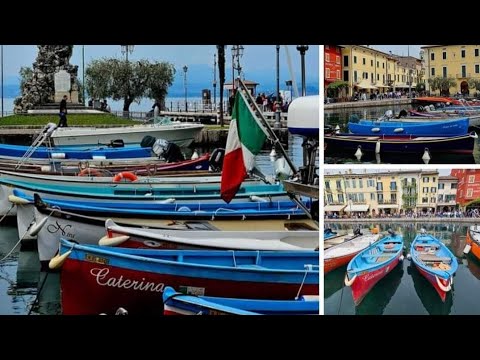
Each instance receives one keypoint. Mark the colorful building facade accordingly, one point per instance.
(468, 185)
(332, 64)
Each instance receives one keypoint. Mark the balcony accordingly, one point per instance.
(387, 202)
(463, 75)
(444, 203)
(393, 189)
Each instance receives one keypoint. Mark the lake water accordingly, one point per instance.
(341, 117)
(404, 291)
(20, 279)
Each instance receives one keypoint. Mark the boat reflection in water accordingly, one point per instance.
(427, 294)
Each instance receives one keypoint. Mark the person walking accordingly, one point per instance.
(63, 112)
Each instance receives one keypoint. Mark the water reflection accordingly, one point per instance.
(405, 290)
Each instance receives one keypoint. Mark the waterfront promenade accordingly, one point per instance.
(367, 103)
(433, 219)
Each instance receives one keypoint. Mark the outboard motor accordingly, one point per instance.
(116, 143)
(173, 153)
(158, 147)
(391, 232)
(388, 114)
(216, 159)
(403, 113)
(147, 141)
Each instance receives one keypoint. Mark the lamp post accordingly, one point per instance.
(303, 49)
(83, 74)
(237, 53)
(185, 69)
(277, 108)
(215, 81)
(127, 49)
(1, 71)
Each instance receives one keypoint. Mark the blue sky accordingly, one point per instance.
(258, 62)
(400, 49)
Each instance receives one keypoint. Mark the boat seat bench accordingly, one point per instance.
(432, 257)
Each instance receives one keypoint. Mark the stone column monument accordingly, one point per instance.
(53, 76)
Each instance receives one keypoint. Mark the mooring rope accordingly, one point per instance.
(18, 242)
(8, 211)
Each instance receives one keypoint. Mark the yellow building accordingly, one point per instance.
(460, 62)
(427, 191)
(334, 194)
(369, 70)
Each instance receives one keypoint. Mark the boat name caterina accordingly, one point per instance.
(102, 278)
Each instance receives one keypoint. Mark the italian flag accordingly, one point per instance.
(245, 140)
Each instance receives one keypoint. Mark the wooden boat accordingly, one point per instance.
(341, 254)
(372, 264)
(455, 127)
(179, 133)
(180, 304)
(473, 241)
(401, 143)
(434, 261)
(46, 225)
(328, 233)
(135, 278)
(134, 237)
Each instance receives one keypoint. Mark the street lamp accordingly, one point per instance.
(83, 74)
(303, 49)
(1, 71)
(237, 52)
(127, 49)
(185, 69)
(215, 81)
(277, 108)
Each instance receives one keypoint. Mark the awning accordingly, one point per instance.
(365, 85)
(349, 208)
(382, 86)
(387, 206)
(334, 207)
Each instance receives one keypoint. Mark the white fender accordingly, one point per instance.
(349, 282)
(35, 229)
(256, 198)
(58, 155)
(17, 200)
(443, 287)
(377, 147)
(398, 130)
(113, 241)
(194, 155)
(358, 153)
(375, 130)
(467, 249)
(401, 258)
(58, 260)
(409, 256)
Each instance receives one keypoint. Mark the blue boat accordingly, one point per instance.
(328, 233)
(407, 144)
(455, 127)
(370, 265)
(135, 278)
(186, 210)
(59, 153)
(176, 303)
(434, 261)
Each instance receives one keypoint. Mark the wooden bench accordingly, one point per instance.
(434, 258)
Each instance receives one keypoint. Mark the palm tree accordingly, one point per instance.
(221, 75)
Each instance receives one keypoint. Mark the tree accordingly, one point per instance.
(442, 84)
(26, 74)
(221, 75)
(474, 84)
(335, 88)
(130, 81)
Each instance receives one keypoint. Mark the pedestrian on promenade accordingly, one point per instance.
(63, 112)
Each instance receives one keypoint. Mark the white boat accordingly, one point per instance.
(117, 235)
(182, 134)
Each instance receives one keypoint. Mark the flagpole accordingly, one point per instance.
(272, 134)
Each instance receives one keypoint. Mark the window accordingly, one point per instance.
(449, 198)
(471, 179)
(327, 73)
(371, 77)
(337, 59)
(360, 183)
(345, 75)
(327, 57)
(433, 179)
(329, 198)
(440, 198)
(339, 185)
(453, 186)
(383, 65)
(444, 55)
(379, 186)
(354, 183)
(425, 190)
(424, 200)
(355, 77)
(393, 198)
(432, 56)
(476, 52)
(477, 69)
(380, 198)
(464, 71)
(364, 61)
(425, 179)
(370, 183)
(393, 185)
(338, 74)
(327, 185)
(444, 72)
(340, 198)
(463, 53)
(378, 64)
(378, 77)
(469, 193)
(383, 79)
(347, 183)
(432, 200)
(345, 60)
(372, 196)
(354, 59)
(433, 71)
(441, 186)
(433, 190)
(371, 62)
(361, 198)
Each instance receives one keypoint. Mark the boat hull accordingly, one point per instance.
(433, 280)
(334, 263)
(475, 247)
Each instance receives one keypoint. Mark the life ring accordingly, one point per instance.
(90, 172)
(125, 175)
